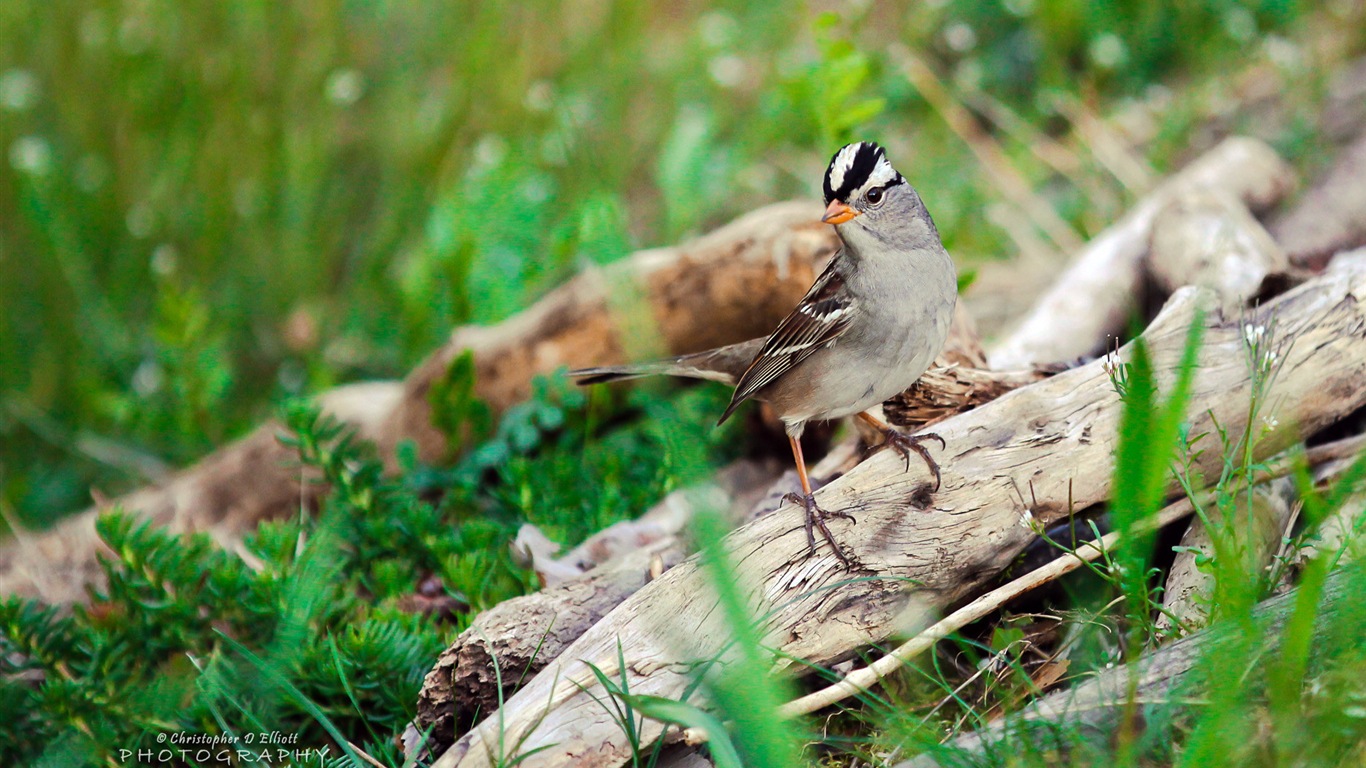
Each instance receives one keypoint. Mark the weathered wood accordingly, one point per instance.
(1320, 457)
(1208, 238)
(1042, 450)
(1099, 702)
(509, 634)
(1096, 295)
(734, 283)
(1331, 215)
(225, 495)
(518, 637)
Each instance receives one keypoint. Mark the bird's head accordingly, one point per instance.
(860, 182)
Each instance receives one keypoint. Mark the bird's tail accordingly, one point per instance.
(725, 365)
(603, 374)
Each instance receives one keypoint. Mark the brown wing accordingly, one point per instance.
(821, 316)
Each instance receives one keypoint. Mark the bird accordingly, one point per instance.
(870, 325)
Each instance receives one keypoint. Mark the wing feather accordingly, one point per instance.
(820, 318)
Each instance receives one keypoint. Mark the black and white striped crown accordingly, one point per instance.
(858, 167)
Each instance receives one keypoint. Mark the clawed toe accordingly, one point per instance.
(905, 444)
(815, 518)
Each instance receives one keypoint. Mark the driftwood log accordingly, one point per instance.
(1099, 291)
(732, 284)
(1331, 217)
(1210, 239)
(1043, 451)
(518, 637)
(957, 383)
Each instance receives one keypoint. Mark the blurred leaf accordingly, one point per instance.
(719, 745)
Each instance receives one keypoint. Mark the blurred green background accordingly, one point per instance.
(208, 206)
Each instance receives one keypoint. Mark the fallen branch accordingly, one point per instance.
(519, 636)
(1208, 238)
(1097, 294)
(463, 681)
(1042, 450)
(861, 680)
(1331, 215)
(733, 284)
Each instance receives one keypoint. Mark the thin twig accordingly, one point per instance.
(362, 755)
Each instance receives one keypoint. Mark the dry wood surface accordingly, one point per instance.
(1098, 292)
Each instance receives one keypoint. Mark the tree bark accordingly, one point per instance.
(1044, 451)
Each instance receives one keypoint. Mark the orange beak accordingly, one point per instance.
(838, 213)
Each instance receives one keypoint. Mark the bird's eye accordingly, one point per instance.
(875, 195)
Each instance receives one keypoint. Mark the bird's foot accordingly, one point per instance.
(904, 444)
(815, 518)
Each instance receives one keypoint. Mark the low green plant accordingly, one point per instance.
(308, 631)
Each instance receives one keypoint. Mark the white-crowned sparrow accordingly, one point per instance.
(866, 330)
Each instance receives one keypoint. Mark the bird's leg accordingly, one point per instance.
(904, 444)
(815, 516)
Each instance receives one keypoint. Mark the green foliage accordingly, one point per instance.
(314, 637)
(720, 746)
(1232, 520)
(205, 209)
(1148, 432)
(1042, 47)
(829, 94)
